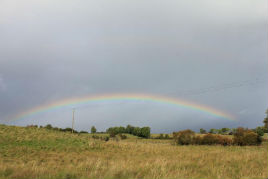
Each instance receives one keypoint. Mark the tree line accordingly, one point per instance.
(241, 137)
(144, 132)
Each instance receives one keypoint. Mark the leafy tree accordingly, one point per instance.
(213, 131)
(129, 129)
(145, 132)
(121, 130)
(93, 130)
(137, 131)
(260, 131)
(225, 130)
(203, 131)
(48, 126)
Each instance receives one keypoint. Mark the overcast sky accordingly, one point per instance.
(213, 53)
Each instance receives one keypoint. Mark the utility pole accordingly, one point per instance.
(73, 121)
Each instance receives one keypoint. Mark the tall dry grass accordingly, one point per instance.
(39, 153)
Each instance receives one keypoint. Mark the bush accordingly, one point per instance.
(122, 136)
(251, 138)
(32, 126)
(95, 137)
(112, 134)
(197, 140)
(210, 139)
(246, 137)
(185, 137)
(105, 138)
(225, 141)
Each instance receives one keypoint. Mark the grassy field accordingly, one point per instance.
(42, 153)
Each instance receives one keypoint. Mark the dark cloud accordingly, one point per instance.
(195, 50)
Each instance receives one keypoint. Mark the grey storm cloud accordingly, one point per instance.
(210, 52)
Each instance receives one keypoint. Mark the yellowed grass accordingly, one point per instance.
(39, 153)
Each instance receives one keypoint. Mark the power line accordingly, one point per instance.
(222, 87)
(73, 121)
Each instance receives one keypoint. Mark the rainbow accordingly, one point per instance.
(72, 102)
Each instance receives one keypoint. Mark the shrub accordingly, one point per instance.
(251, 138)
(184, 137)
(210, 139)
(95, 137)
(105, 138)
(246, 137)
(197, 140)
(112, 134)
(122, 136)
(32, 126)
(225, 141)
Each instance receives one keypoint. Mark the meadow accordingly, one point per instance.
(41, 153)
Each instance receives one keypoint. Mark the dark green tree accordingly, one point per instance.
(48, 126)
(137, 131)
(121, 130)
(213, 131)
(259, 131)
(129, 129)
(93, 130)
(203, 131)
(225, 130)
(145, 132)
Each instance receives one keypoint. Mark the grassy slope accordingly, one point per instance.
(39, 153)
